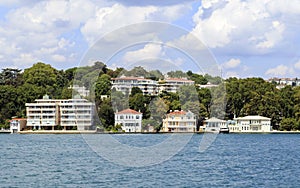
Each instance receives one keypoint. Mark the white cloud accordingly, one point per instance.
(34, 32)
(150, 51)
(257, 26)
(232, 63)
(297, 65)
(109, 18)
(280, 70)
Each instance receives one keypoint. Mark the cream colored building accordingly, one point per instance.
(179, 121)
(173, 84)
(130, 120)
(251, 124)
(52, 114)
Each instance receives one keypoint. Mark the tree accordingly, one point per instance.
(40, 74)
(106, 113)
(135, 90)
(103, 86)
(198, 79)
(139, 102)
(11, 76)
(177, 74)
(288, 124)
(137, 71)
(158, 111)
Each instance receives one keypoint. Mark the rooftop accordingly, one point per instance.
(256, 117)
(128, 111)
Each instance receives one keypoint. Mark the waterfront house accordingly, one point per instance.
(251, 124)
(179, 121)
(17, 124)
(213, 125)
(130, 120)
(57, 114)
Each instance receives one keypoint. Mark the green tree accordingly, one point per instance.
(134, 91)
(288, 124)
(103, 86)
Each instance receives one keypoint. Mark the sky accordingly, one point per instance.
(255, 38)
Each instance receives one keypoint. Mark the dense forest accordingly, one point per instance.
(250, 96)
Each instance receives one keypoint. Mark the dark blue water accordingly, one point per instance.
(247, 160)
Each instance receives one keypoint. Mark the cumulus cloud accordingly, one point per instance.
(109, 18)
(149, 51)
(280, 70)
(257, 26)
(33, 32)
(232, 63)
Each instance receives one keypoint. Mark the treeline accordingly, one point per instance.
(248, 96)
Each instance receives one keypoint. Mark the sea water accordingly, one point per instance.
(232, 160)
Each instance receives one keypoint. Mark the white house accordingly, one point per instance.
(214, 125)
(17, 124)
(251, 124)
(130, 120)
(179, 121)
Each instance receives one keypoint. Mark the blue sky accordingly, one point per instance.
(247, 38)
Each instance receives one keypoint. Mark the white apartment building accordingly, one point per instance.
(125, 84)
(172, 84)
(51, 114)
(179, 121)
(251, 124)
(214, 125)
(130, 120)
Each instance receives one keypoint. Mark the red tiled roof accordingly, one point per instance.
(177, 113)
(179, 79)
(128, 111)
(17, 119)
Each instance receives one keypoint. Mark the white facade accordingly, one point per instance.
(251, 124)
(125, 84)
(130, 120)
(179, 121)
(148, 86)
(17, 124)
(173, 84)
(49, 114)
(213, 125)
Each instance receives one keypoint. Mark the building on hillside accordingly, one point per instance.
(173, 84)
(56, 114)
(130, 120)
(17, 124)
(282, 82)
(251, 124)
(125, 84)
(82, 91)
(214, 125)
(179, 121)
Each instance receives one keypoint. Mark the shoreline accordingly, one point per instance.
(97, 132)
